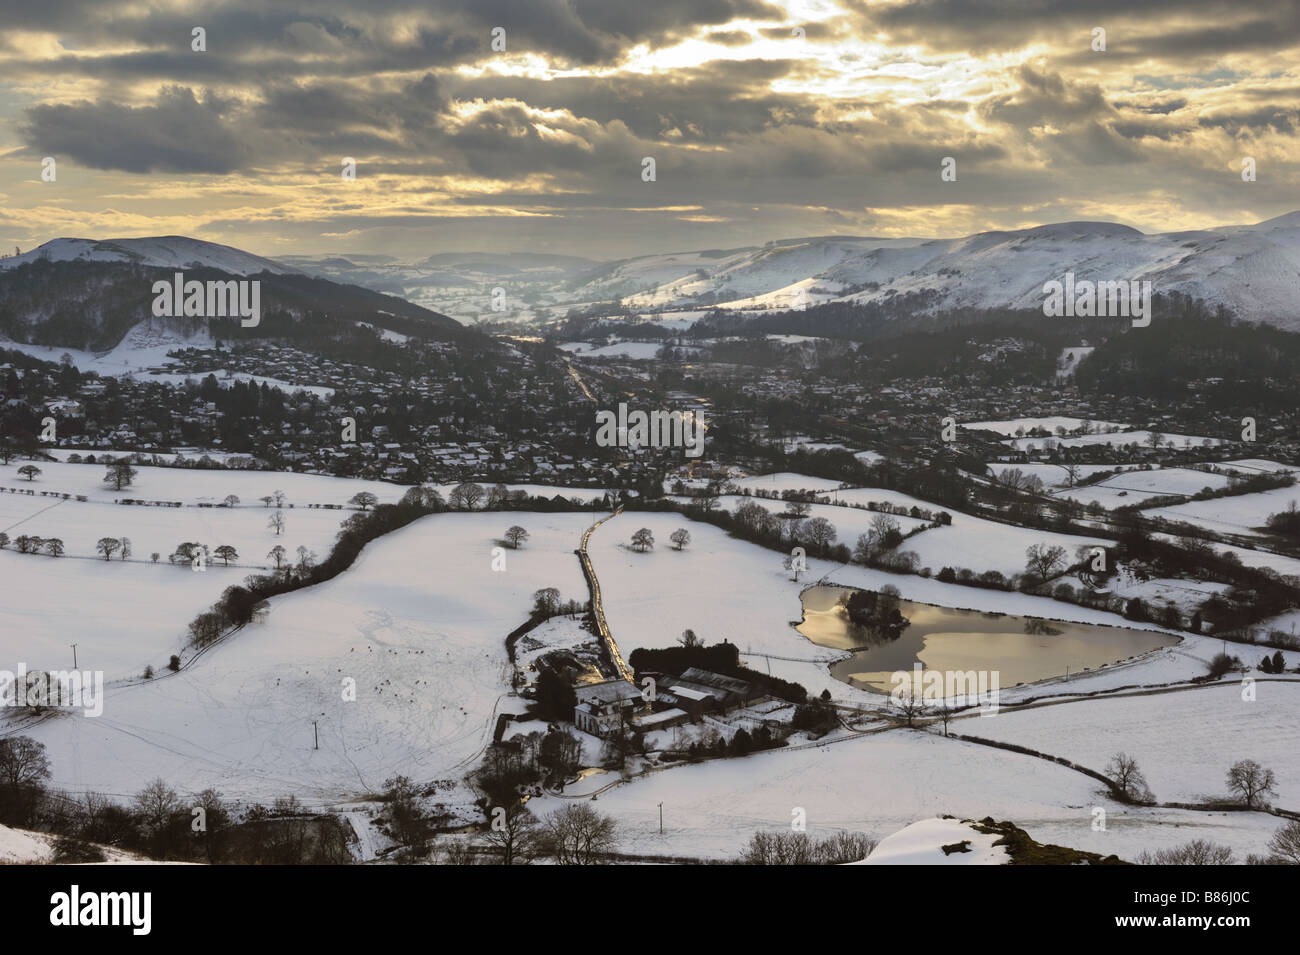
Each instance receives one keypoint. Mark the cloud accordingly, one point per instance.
(179, 133)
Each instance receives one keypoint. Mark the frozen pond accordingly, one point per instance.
(897, 634)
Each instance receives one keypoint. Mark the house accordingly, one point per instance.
(735, 691)
(604, 708)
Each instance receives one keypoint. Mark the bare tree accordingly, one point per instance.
(276, 523)
(945, 712)
(680, 538)
(108, 546)
(363, 500)
(29, 471)
(1285, 844)
(579, 835)
(156, 804)
(465, 496)
(1251, 782)
(231, 500)
(512, 831)
(120, 474)
(276, 553)
(909, 708)
(689, 639)
(1196, 852)
(226, 553)
(643, 540)
(1043, 560)
(1123, 771)
(821, 533)
(516, 535)
(22, 762)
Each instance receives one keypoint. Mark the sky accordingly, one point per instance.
(764, 120)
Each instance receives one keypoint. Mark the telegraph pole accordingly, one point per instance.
(74, 656)
(661, 819)
(316, 733)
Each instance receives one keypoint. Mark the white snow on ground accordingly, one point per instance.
(24, 847)
(724, 588)
(1119, 439)
(869, 457)
(1051, 423)
(226, 378)
(195, 485)
(142, 348)
(1254, 465)
(969, 541)
(1132, 487)
(21, 846)
(1067, 363)
(879, 784)
(785, 481)
(210, 486)
(1051, 474)
(849, 521)
(125, 615)
(1288, 623)
(922, 843)
(635, 351)
(187, 454)
(1183, 741)
(419, 622)
(1240, 514)
(160, 529)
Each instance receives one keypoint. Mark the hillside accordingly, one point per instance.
(81, 294)
(1252, 270)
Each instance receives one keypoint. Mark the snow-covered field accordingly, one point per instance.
(125, 615)
(1183, 741)
(1118, 439)
(419, 624)
(1241, 514)
(194, 485)
(1051, 474)
(880, 784)
(724, 588)
(1015, 426)
(785, 481)
(1132, 487)
(636, 351)
(969, 541)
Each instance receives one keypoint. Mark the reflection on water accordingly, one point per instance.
(1022, 649)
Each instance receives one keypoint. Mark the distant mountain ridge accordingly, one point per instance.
(164, 251)
(1252, 270)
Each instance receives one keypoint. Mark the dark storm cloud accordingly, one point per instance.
(1047, 97)
(180, 133)
(1276, 118)
(579, 31)
(1194, 27)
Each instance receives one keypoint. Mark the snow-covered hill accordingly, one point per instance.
(164, 251)
(1254, 270)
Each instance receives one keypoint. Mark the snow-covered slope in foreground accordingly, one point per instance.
(922, 843)
(164, 251)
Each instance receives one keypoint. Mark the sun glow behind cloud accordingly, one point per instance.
(814, 117)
